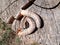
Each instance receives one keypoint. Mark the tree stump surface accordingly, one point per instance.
(49, 34)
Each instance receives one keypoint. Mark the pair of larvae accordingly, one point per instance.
(27, 16)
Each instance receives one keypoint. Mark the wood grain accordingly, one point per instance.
(49, 34)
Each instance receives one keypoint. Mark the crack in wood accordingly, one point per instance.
(47, 7)
(27, 5)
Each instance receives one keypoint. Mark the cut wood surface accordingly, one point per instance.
(49, 33)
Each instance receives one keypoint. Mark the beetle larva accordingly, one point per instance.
(35, 17)
(29, 29)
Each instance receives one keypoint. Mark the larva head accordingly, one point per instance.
(19, 32)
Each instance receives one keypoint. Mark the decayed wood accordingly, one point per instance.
(49, 34)
(10, 20)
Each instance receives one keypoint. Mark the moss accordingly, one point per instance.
(18, 41)
(8, 35)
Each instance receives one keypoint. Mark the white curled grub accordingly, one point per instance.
(29, 30)
(34, 16)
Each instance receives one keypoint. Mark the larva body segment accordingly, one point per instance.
(35, 17)
(30, 29)
(23, 21)
(13, 25)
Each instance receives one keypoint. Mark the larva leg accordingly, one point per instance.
(30, 29)
(35, 17)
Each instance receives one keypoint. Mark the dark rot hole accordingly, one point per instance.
(26, 24)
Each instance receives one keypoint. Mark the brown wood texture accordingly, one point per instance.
(49, 34)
